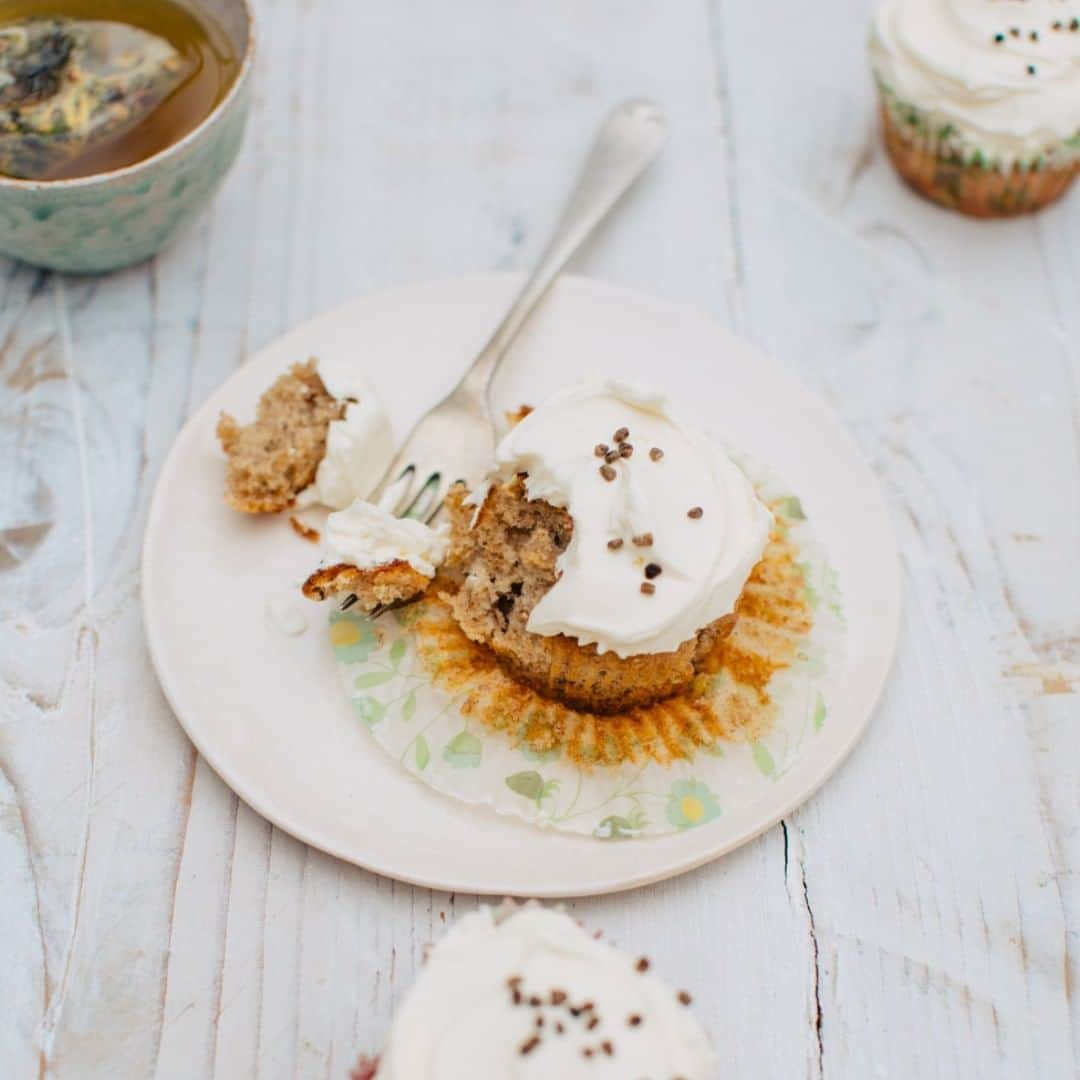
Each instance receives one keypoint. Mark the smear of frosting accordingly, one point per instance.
(1006, 74)
(359, 447)
(285, 616)
(677, 516)
(366, 536)
(504, 998)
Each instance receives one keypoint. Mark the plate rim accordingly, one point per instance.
(672, 867)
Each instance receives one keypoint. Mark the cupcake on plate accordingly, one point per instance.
(527, 992)
(980, 99)
(604, 559)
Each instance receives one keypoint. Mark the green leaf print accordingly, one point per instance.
(408, 710)
(820, 712)
(614, 827)
(423, 754)
(528, 784)
(397, 651)
(791, 507)
(763, 759)
(373, 678)
(622, 827)
(463, 751)
(369, 710)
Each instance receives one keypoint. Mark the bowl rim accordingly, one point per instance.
(13, 183)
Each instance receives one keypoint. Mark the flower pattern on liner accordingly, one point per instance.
(435, 735)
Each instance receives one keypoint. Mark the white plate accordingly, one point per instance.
(265, 709)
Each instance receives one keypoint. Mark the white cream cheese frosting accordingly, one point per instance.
(997, 76)
(498, 998)
(366, 536)
(677, 509)
(359, 446)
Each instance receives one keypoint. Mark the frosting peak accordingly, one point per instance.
(665, 532)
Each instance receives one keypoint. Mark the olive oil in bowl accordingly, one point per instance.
(91, 86)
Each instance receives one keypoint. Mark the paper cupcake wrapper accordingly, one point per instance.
(428, 730)
(942, 163)
(949, 139)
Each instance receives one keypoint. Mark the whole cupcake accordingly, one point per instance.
(528, 993)
(980, 99)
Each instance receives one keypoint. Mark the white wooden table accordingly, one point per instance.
(921, 916)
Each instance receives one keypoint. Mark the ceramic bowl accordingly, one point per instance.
(117, 218)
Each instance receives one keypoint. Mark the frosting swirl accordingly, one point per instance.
(661, 547)
(504, 998)
(996, 76)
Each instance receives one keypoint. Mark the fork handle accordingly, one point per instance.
(628, 142)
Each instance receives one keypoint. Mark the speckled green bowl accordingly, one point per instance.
(117, 218)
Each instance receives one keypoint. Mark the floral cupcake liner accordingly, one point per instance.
(936, 159)
(439, 730)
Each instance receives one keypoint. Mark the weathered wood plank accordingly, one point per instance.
(937, 903)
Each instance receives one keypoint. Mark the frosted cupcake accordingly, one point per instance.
(607, 553)
(529, 993)
(980, 99)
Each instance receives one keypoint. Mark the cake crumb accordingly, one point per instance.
(305, 532)
(515, 416)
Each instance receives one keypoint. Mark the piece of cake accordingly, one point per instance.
(529, 993)
(319, 436)
(606, 555)
(274, 458)
(376, 557)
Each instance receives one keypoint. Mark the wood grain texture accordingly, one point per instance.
(921, 915)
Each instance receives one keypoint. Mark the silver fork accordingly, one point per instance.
(456, 439)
